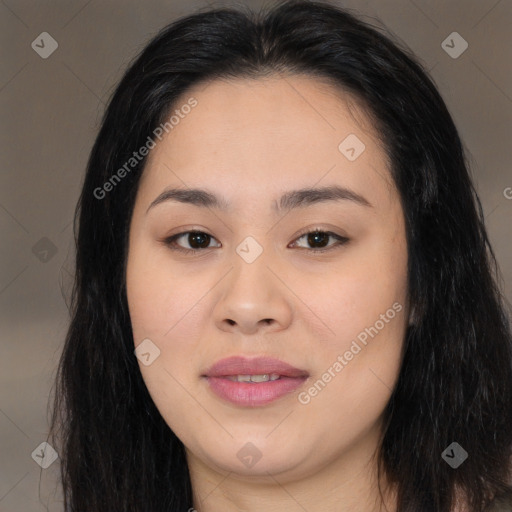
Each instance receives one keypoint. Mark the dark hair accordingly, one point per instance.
(455, 383)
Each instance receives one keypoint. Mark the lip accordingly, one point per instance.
(249, 394)
(240, 365)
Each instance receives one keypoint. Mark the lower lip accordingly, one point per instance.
(254, 394)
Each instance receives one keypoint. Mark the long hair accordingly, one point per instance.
(455, 382)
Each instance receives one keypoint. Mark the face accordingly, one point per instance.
(316, 280)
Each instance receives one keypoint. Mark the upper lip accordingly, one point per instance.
(240, 365)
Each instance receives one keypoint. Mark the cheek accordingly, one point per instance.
(171, 309)
(358, 362)
(166, 309)
(160, 300)
(352, 296)
(356, 369)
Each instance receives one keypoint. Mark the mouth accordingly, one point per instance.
(253, 382)
(264, 377)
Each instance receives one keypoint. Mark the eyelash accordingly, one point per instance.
(171, 241)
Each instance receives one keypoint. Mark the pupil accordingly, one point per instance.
(198, 236)
(318, 237)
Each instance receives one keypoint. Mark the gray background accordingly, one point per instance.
(51, 109)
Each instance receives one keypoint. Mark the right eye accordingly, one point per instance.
(197, 240)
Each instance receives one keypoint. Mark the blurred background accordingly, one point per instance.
(60, 62)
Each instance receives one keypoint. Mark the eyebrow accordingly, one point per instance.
(293, 199)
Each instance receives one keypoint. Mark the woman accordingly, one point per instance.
(285, 296)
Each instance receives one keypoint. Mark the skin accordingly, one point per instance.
(250, 141)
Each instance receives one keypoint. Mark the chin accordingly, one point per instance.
(247, 458)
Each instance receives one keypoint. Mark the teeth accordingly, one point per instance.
(254, 378)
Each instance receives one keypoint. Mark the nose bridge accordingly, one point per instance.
(250, 275)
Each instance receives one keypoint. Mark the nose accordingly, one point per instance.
(253, 299)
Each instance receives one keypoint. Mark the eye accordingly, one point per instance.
(197, 240)
(320, 240)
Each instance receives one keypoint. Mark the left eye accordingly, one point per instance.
(321, 240)
(199, 240)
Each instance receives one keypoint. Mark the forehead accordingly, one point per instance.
(269, 133)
